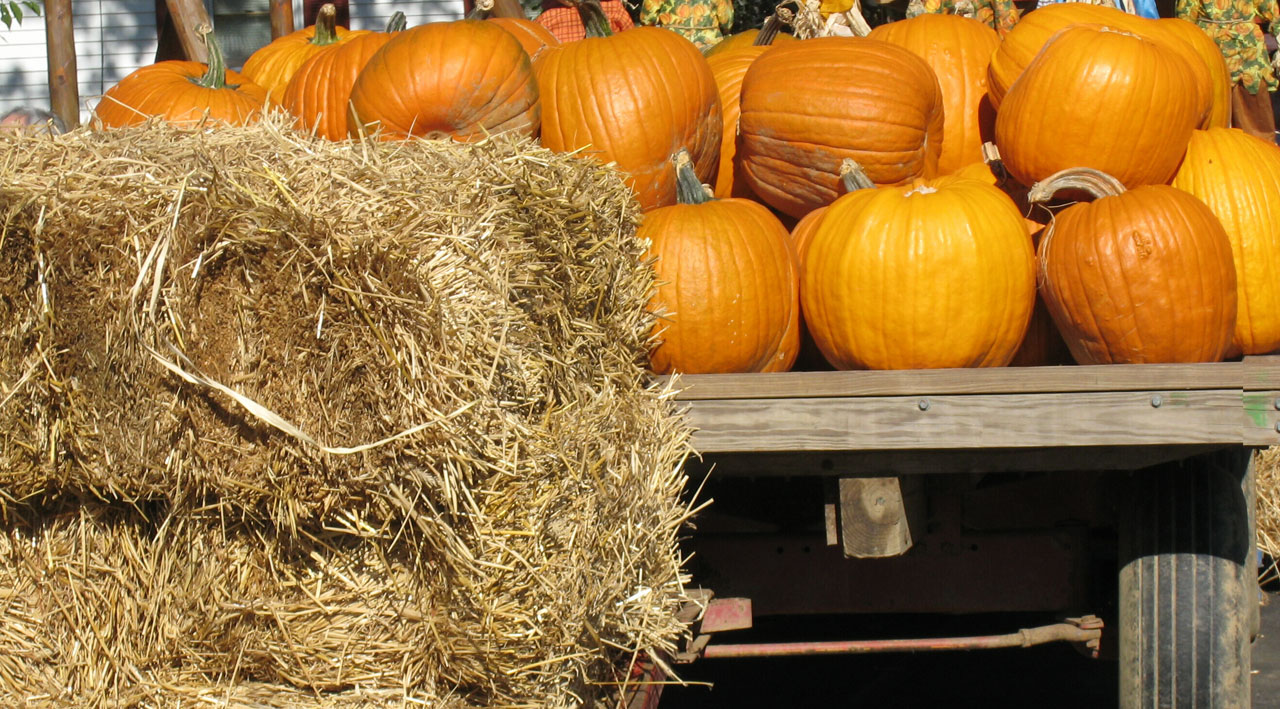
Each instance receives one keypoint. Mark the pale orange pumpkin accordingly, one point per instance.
(939, 273)
(1238, 176)
(959, 50)
(729, 68)
(728, 293)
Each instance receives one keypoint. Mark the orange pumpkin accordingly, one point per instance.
(729, 68)
(463, 80)
(959, 50)
(808, 105)
(939, 273)
(1211, 56)
(319, 93)
(1238, 176)
(182, 93)
(594, 99)
(1144, 275)
(531, 35)
(852, 177)
(274, 64)
(746, 38)
(1092, 98)
(728, 293)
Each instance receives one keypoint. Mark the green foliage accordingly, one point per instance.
(11, 11)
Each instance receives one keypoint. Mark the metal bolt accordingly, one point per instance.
(923, 404)
(1156, 400)
(1277, 426)
(1277, 404)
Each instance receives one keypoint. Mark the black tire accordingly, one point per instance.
(1188, 589)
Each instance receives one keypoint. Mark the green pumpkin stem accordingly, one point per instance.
(397, 23)
(853, 177)
(215, 77)
(326, 26)
(689, 189)
(1095, 182)
(593, 19)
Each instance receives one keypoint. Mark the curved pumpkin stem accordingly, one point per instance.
(397, 23)
(481, 10)
(593, 19)
(853, 177)
(768, 31)
(326, 26)
(1095, 182)
(215, 77)
(689, 189)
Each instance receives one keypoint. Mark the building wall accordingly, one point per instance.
(115, 37)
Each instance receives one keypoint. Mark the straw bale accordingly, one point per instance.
(323, 422)
(1267, 486)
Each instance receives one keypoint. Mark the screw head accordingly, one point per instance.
(1157, 400)
(923, 404)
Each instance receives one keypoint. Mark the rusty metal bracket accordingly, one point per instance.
(717, 615)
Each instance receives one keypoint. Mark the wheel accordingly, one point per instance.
(1187, 587)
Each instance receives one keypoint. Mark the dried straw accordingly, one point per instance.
(366, 420)
(1267, 485)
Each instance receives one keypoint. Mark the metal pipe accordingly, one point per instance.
(1058, 632)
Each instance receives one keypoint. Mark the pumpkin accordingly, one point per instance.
(1043, 344)
(852, 178)
(728, 286)
(1219, 76)
(182, 93)
(595, 98)
(272, 65)
(319, 93)
(1144, 275)
(806, 106)
(1238, 176)
(747, 38)
(463, 79)
(729, 68)
(939, 273)
(1091, 99)
(959, 50)
(531, 35)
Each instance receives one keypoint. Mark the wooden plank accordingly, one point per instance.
(1261, 418)
(188, 16)
(977, 421)
(1262, 373)
(877, 516)
(1000, 380)
(64, 87)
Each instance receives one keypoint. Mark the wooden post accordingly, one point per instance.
(876, 515)
(64, 91)
(281, 18)
(187, 15)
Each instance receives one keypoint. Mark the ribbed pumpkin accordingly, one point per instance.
(182, 93)
(274, 64)
(852, 178)
(1238, 176)
(1043, 344)
(745, 38)
(808, 105)
(1211, 56)
(531, 35)
(959, 50)
(729, 68)
(319, 93)
(1143, 275)
(1092, 98)
(463, 80)
(728, 283)
(634, 98)
(939, 273)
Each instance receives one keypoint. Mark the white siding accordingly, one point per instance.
(113, 38)
(373, 14)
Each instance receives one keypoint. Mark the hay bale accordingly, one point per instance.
(360, 408)
(1267, 486)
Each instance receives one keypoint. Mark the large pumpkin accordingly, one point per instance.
(464, 80)
(531, 35)
(1211, 56)
(634, 98)
(1094, 97)
(274, 64)
(939, 273)
(319, 94)
(808, 105)
(1238, 176)
(1144, 275)
(959, 50)
(728, 292)
(747, 38)
(182, 93)
(729, 68)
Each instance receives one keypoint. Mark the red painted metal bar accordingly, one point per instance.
(1059, 632)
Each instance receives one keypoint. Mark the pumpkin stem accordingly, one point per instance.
(1095, 182)
(397, 23)
(689, 189)
(853, 177)
(215, 77)
(593, 19)
(481, 10)
(768, 31)
(326, 26)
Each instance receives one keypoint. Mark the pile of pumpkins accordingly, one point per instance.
(844, 193)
